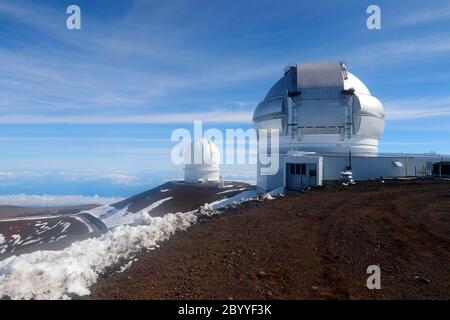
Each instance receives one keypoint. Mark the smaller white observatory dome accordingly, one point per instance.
(201, 162)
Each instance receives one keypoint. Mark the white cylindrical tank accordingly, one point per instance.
(201, 162)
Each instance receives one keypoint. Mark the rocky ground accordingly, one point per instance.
(315, 245)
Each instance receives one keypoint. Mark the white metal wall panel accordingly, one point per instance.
(320, 80)
(269, 110)
(329, 167)
(368, 126)
(368, 106)
(332, 113)
(319, 75)
(370, 168)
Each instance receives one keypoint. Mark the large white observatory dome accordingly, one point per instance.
(201, 162)
(324, 108)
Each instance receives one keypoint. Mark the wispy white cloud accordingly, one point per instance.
(82, 139)
(217, 116)
(114, 177)
(46, 200)
(27, 13)
(402, 114)
(118, 178)
(5, 175)
(89, 150)
(397, 51)
(417, 108)
(242, 103)
(129, 65)
(433, 44)
(406, 143)
(425, 14)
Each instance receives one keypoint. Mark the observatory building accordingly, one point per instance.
(329, 126)
(201, 162)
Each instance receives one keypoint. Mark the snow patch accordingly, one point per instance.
(277, 192)
(66, 226)
(54, 274)
(116, 217)
(3, 245)
(15, 239)
(88, 226)
(226, 185)
(156, 204)
(232, 190)
(113, 217)
(266, 196)
(126, 266)
(99, 212)
(32, 241)
(240, 197)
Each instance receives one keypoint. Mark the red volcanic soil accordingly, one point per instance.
(315, 245)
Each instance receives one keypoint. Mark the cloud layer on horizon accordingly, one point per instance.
(24, 200)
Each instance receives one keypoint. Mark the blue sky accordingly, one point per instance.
(91, 111)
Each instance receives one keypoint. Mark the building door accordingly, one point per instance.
(300, 175)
